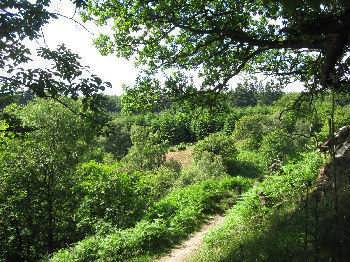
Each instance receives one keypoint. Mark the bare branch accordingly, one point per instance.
(75, 21)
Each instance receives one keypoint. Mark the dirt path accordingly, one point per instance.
(190, 246)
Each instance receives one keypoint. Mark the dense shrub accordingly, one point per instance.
(249, 164)
(211, 165)
(218, 144)
(115, 138)
(288, 120)
(158, 182)
(230, 123)
(147, 151)
(205, 122)
(174, 127)
(277, 145)
(208, 166)
(108, 197)
(181, 146)
(250, 130)
(171, 219)
(248, 233)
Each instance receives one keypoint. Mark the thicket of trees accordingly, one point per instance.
(84, 176)
(66, 179)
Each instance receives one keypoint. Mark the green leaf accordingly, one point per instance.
(290, 6)
(315, 4)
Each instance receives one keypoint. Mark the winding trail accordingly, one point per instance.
(186, 249)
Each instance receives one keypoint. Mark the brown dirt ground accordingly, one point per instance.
(184, 251)
(184, 157)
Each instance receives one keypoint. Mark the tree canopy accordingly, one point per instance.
(295, 40)
(64, 75)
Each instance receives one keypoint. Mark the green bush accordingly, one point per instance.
(171, 219)
(158, 182)
(209, 166)
(115, 138)
(174, 127)
(37, 199)
(218, 144)
(230, 123)
(249, 232)
(250, 164)
(288, 120)
(250, 129)
(107, 197)
(181, 147)
(205, 122)
(277, 145)
(147, 151)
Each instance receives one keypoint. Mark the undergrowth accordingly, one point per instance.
(171, 219)
(264, 225)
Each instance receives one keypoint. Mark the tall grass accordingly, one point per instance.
(251, 229)
(170, 220)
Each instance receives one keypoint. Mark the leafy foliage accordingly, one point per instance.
(115, 138)
(305, 40)
(144, 97)
(172, 218)
(147, 151)
(252, 92)
(249, 131)
(204, 122)
(52, 194)
(174, 126)
(37, 181)
(216, 143)
(107, 197)
(208, 166)
(148, 94)
(252, 221)
(63, 75)
(109, 209)
(277, 145)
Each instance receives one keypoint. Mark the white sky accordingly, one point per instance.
(115, 70)
(75, 37)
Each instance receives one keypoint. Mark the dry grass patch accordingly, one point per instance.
(184, 157)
